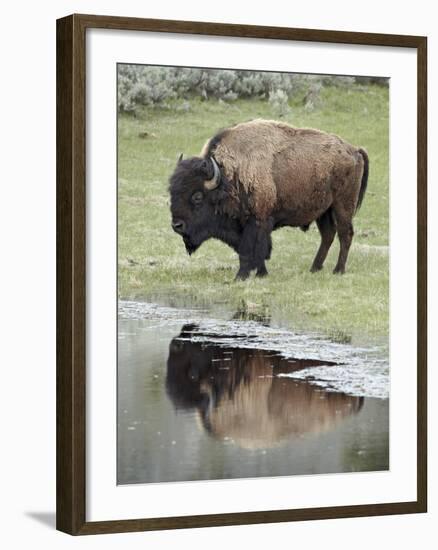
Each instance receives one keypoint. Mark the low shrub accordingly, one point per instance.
(155, 86)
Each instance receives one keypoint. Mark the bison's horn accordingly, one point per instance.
(214, 182)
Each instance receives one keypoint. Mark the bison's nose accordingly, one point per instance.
(179, 226)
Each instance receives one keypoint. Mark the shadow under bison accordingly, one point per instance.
(238, 395)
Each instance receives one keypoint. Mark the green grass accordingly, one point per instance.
(152, 258)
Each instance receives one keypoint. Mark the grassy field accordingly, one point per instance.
(153, 263)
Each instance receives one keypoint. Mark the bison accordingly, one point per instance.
(258, 176)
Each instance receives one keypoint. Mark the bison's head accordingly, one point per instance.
(194, 195)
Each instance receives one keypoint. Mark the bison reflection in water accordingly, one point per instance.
(238, 395)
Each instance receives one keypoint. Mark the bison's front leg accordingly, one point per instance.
(261, 270)
(255, 246)
(261, 267)
(244, 268)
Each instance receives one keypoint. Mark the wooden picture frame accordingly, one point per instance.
(71, 273)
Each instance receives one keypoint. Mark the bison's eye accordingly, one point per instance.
(197, 198)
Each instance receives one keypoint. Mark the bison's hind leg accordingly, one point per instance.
(345, 231)
(327, 229)
(345, 234)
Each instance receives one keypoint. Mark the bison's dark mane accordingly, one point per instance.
(190, 169)
(227, 230)
(195, 170)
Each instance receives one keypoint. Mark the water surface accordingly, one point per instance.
(200, 399)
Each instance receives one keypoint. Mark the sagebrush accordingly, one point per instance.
(140, 85)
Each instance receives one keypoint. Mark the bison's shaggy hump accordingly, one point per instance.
(246, 153)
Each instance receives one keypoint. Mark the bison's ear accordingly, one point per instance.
(204, 168)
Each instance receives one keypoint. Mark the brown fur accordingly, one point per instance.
(282, 168)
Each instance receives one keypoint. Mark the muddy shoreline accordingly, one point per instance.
(355, 370)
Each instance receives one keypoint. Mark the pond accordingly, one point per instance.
(217, 398)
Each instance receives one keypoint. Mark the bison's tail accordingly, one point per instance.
(364, 182)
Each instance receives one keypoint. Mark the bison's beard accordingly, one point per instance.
(191, 247)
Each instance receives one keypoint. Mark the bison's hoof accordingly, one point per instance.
(339, 270)
(315, 268)
(242, 276)
(262, 272)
